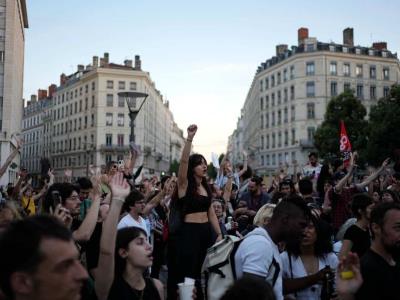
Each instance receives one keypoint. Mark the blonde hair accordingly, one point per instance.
(264, 214)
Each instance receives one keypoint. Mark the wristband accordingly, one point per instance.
(118, 199)
(189, 140)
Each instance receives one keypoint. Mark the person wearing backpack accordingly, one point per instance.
(258, 256)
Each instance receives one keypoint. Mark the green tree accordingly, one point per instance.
(348, 108)
(174, 167)
(384, 128)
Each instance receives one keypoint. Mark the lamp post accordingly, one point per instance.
(134, 107)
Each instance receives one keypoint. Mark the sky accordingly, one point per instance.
(202, 55)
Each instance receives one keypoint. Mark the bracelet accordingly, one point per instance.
(118, 199)
(189, 140)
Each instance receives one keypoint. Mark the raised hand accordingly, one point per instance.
(191, 131)
(68, 173)
(349, 279)
(119, 186)
(386, 162)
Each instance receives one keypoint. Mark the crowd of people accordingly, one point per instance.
(319, 231)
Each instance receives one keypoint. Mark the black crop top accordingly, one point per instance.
(195, 204)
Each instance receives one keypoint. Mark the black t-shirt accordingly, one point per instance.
(360, 239)
(93, 247)
(121, 290)
(381, 281)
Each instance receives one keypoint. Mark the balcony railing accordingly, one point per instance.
(114, 148)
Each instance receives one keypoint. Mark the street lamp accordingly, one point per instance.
(134, 107)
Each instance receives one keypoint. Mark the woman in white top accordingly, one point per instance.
(309, 265)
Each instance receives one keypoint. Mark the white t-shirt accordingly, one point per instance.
(313, 292)
(256, 254)
(129, 221)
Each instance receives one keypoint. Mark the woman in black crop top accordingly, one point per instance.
(199, 219)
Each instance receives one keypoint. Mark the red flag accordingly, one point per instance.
(345, 146)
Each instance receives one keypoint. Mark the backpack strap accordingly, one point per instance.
(277, 269)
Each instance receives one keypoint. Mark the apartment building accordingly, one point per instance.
(289, 94)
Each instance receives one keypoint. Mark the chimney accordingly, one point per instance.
(52, 90)
(379, 46)
(128, 63)
(33, 99)
(102, 64)
(95, 62)
(138, 63)
(281, 49)
(348, 37)
(302, 34)
(81, 68)
(63, 79)
(106, 58)
(42, 94)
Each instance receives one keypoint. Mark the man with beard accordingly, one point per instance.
(258, 254)
(380, 265)
(255, 197)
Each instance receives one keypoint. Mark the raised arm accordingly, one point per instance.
(342, 182)
(374, 175)
(10, 158)
(157, 198)
(84, 232)
(242, 171)
(104, 274)
(184, 162)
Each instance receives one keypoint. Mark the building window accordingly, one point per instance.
(110, 100)
(286, 139)
(346, 69)
(333, 68)
(310, 69)
(120, 120)
(109, 119)
(120, 139)
(386, 91)
(359, 71)
(346, 87)
(292, 92)
(108, 158)
(261, 85)
(267, 160)
(262, 142)
(293, 156)
(310, 89)
(285, 95)
(261, 121)
(262, 160)
(273, 99)
(267, 142)
(279, 117)
(333, 88)
(272, 80)
(274, 159)
(279, 139)
(279, 97)
(93, 101)
(266, 101)
(279, 78)
(93, 86)
(121, 85)
(86, 120)
(92, 120)
(1, 56)
(372, 72)
(261, 103)
(86, 88)
(285, 115)
(293, 115)
(360, 91)
(293, 136)
(273, 141)
(291, 72)
(132, 86)
(121, 101)
(86, 103)
(310, 110)
(110, 84)
(285, 75)
(273, 118)
(310, 133)
(372, 92)
(385, 73)
(108, 139)
(266, 120)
